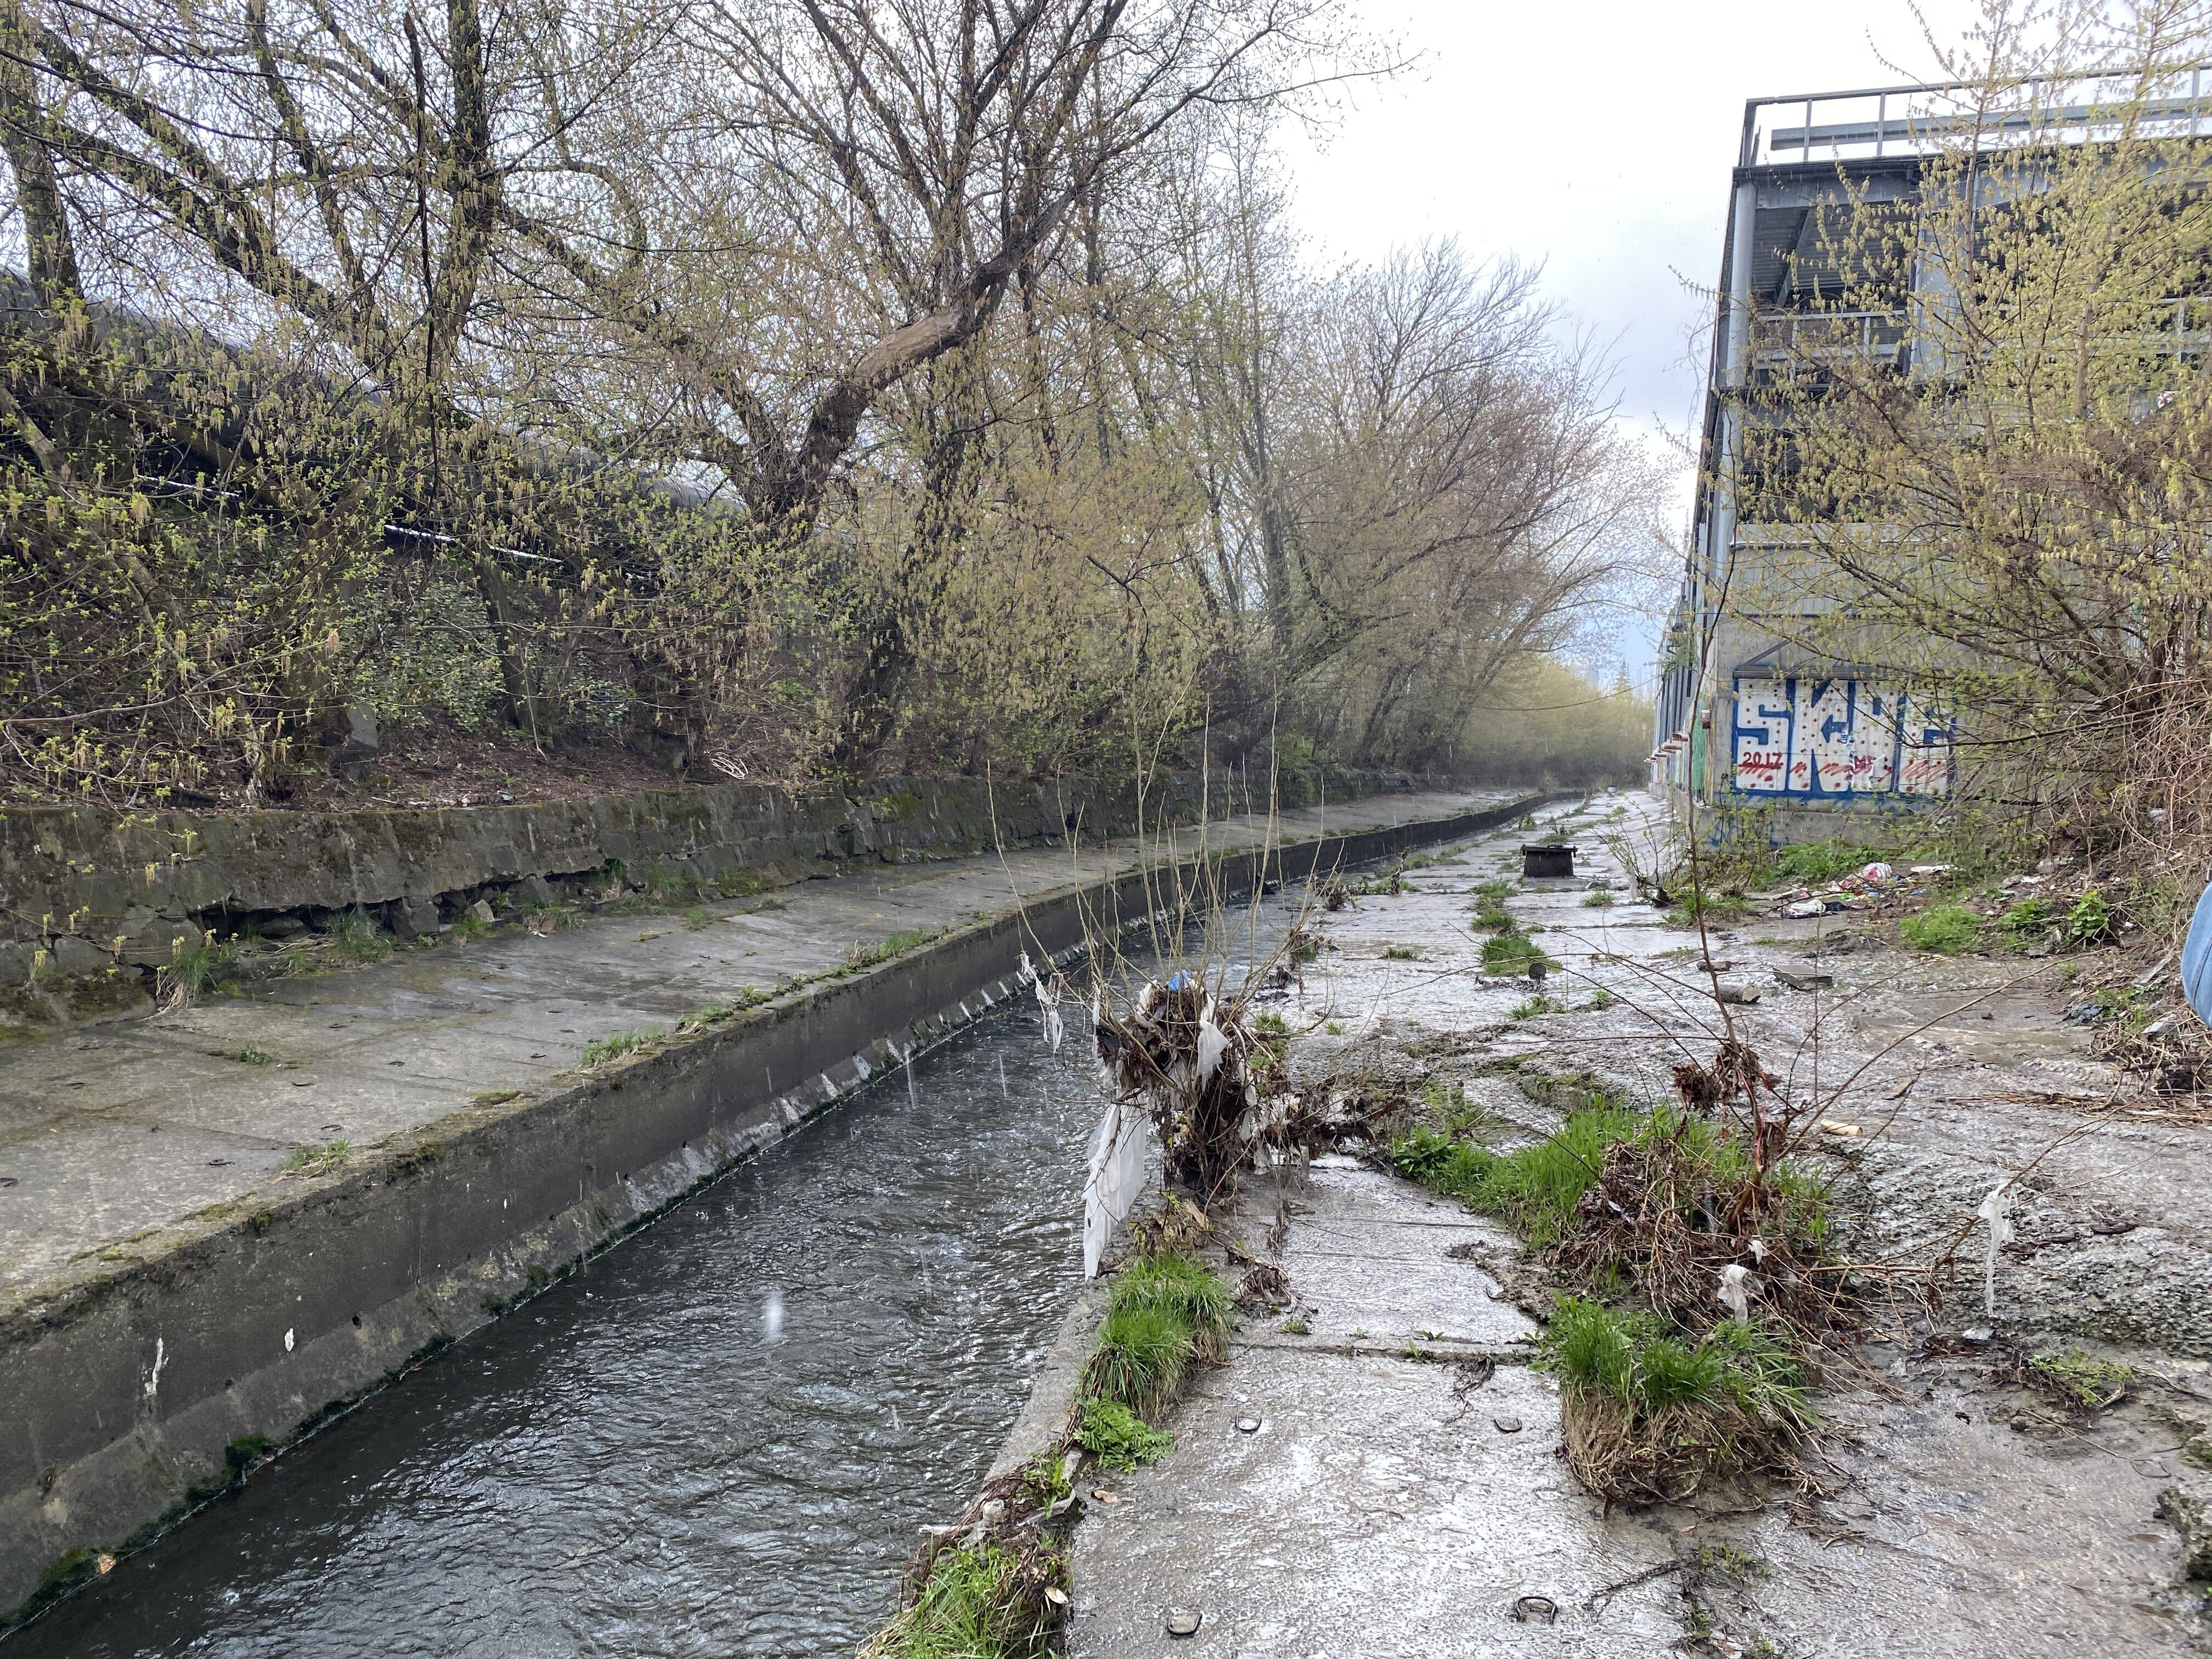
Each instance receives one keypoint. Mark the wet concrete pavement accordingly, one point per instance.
(1381, 1509)
(112, 1132)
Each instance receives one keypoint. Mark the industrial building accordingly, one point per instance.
(1751, 712)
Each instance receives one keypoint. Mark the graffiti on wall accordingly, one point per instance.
(1816, 738)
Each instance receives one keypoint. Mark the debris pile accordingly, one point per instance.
(1213, 1087)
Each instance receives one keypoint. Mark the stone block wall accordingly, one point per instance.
(94, 902)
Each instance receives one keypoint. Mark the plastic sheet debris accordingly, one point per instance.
(1115, 1175)
(1996, 1210)
(1735, 1293)
(1846, 1131)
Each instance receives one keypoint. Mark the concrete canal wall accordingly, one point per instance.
(144, 1380)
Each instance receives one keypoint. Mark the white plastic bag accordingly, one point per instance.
(1996, 1210)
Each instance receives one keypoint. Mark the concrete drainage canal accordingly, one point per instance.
(721, 1438)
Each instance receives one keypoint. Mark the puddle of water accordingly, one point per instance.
(720, 1438)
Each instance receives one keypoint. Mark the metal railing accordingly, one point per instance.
(1873, 123)
(1826, 334)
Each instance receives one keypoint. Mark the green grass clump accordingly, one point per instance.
(1118, 1437)
(2078, 1379)
(1715, 909)
(1946, 929)
(252, 1056)
(194, 969)
(621, 1043)
(1636, 1360)
(1816, 861)
(1511, 953)
(698, 916)
(1144, 1353)
(1535, 1189)
(1598, 898)
(1166, 1313)
(356, 937)
(1535, 1005)
(2032, 920)
(1181, 1288)
(1453, 1168)
(1400, 953)
(975, 1604)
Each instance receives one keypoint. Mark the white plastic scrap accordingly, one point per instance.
(1996, 1209)
(1047, 996)
(1211, 1045)
(1735, 1293)
(1116, 1175)
(1758, 1248)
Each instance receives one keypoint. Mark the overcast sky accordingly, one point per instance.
(1595, 138)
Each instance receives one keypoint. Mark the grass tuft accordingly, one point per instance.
(1945, 929)
(621, 1043)
(355, 937)
(318, 1160)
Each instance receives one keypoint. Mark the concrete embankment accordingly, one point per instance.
(169, 1315)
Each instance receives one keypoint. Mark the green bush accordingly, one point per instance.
(1946, 929)
(1117, 1437)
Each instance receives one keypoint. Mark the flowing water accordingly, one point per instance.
(720, 1439)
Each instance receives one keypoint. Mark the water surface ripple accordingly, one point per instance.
(631, 1464)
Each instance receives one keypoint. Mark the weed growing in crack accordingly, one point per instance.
(318, 1160)
(2077, 1379)
(1118, 1437)
(621, 1043)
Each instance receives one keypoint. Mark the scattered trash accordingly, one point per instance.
(1805, 907)
(1184, 1621)
(1105, 1497)
(1248, 1426)
(1507, 1424)
(1978, 1336)
(1057, 1596)
(1535, 1609)
(1996, 1210)
(1830, 1127)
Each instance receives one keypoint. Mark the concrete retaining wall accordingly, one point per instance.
(145, 1380)
(93, 903)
